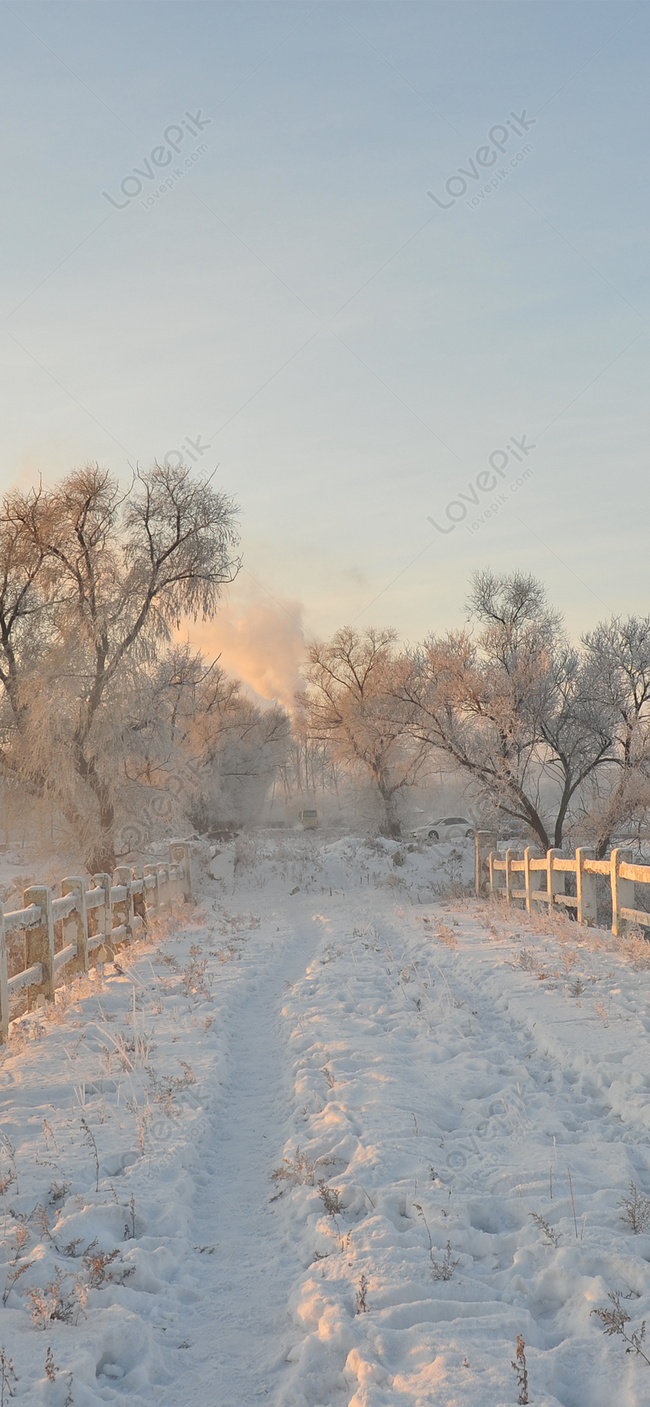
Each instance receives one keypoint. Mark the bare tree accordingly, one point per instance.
(309, 769)
(25, 623)
(201, 750)
(618, 659)
(94, 580)
(350, 704)
(510, 707)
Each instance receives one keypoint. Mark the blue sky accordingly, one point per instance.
(354, 355)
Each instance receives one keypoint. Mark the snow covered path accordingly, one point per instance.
(242, 1320)
(139, 1124)
(336, 1142)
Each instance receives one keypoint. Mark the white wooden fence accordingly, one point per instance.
(531, 882)
(65, 936)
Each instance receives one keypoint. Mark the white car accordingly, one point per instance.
(449, 828)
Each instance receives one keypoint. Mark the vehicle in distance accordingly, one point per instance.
(449, 828)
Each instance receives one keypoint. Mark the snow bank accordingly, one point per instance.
(471, 1105)
(109, 1104)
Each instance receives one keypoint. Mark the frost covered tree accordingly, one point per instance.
(238, 747)
(617, 657)
(309, 770)
(92, 581)
(511, 705)
(195, 750)
(350, 704)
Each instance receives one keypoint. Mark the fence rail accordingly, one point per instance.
(92, 924)
(544, 881)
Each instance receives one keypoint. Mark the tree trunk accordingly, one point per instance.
(101, 859)
(392, 826)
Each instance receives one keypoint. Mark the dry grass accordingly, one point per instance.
(635, 1210)
(577, 945)
(196, 982)
(551, 1237)
(444, 1269)
(13, 1278)
(616, 1320)
(519, 1365)
(8, 1377)
(59, 1300)
(361, 1303)
(96, 1263)
(89, 1140)
(164, 1089)
(300, 1171)
(446, 935)
(331, 1199)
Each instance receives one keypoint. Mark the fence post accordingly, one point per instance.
(586, 888)
(75, 927)
(180, 854)
(4, 990)
(139, 900)
(510, 856)
(622, 891)
(39, 944)
(555, 879)
(493, 854)
(152, 870)
(124, 907)
(164, 888)
(105, 914)
(484, 843)
(533, 878)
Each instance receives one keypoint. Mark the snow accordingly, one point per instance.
(333, 1107)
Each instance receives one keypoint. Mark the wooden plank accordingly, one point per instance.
(638, 872)
(63, 907)
(66, 955)
(23, 918)
(29, 977)
(636, 916)
(597, 867)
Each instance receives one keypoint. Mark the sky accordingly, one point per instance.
(383, 267)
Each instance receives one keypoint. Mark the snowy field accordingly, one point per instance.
(336, 1141)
